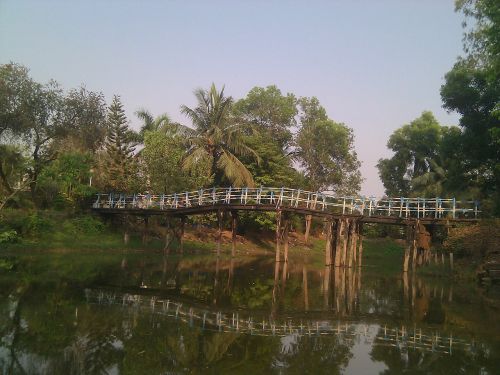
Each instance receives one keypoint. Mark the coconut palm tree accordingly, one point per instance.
(150, 123)
(430, 184)
(218, 137)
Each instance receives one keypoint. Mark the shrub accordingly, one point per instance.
(474, 240)
(9, 236)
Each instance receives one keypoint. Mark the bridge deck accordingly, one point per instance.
(369, 210)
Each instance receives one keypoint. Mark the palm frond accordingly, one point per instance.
(235, 170)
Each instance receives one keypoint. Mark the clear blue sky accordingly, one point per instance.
(374, 65)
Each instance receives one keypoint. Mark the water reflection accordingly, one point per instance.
(200, 314)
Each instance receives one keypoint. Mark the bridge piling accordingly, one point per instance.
(286, 229)
(360, 247)
(181, 234)
(308, 228)
(351, 243)
(345, 239)
(219, 233)
(168, 236)
(338, 242)
(328, 245)
(278, 235)
(234, 225)
(145, 237)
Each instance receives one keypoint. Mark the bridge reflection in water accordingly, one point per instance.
(401, 337)
(339, 315)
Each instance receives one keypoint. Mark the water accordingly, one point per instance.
(146, 314)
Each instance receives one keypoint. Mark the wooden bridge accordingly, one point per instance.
(344, 216)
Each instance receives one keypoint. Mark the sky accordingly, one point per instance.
(375, 65)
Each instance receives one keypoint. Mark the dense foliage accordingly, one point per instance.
(63, 147)
(430, 159)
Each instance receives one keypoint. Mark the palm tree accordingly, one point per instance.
(217, 137)
(430, 183)
(150, 123)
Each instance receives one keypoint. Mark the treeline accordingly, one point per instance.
(63, 147)
(433, 160)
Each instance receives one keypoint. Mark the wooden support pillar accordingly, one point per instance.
(234, 226)
(360, 247)
(345, 240)
(407, 255)
(328, 244)
(126, 237)
(338, 243)
(145, 238)
(181, 234)
(219, 233)
(168, 236)
(126, 234)
(451, 261)
(308, 228)
(350, 241)
(284, 276)
(278, 235)
(286, 229)
(305, 287)
(413, 243)
(326, 286)
(355, 243)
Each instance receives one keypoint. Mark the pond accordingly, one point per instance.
(140, 313)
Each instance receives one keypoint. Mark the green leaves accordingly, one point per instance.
(325, 150)
(218, 136)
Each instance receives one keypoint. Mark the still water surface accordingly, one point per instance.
(148, 314)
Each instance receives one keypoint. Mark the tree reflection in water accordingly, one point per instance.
(232, 315)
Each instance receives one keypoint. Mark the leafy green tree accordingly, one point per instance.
(325, 151)
(120, 164)
(70, 174)
(84, 117)
(268, 117)
(472, 89)
(414, 146)
(269, 113)
(15, 88)
(218, 138)
(163, 154)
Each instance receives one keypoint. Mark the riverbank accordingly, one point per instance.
(62, 231)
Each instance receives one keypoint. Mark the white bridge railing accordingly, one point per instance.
(295, 198)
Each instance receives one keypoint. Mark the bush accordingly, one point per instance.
(36, 224)
(88, 224)
(474, 240)
(6, 265)
(9, 236)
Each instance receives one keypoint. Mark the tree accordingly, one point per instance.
(150, 123)
(163, 154)
(218, 138)
(119, 158)
(325, 151)
(84, 117)
(472, 89)
(15, 84)
(32, 115)
(268, 118)
(269, 113)
(414, 145)
(68, 176)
